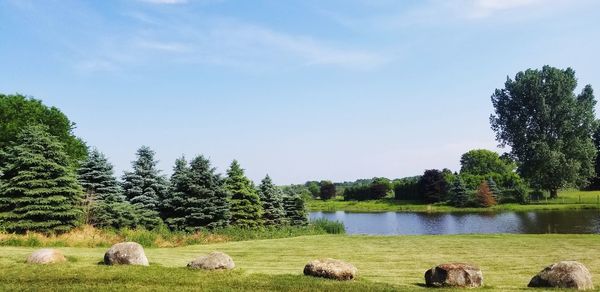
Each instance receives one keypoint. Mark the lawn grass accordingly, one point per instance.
(567, 200)
(384, 263)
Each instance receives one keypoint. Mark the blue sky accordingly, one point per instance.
(301, 90)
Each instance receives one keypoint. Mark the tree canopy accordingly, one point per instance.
(246, 208)
(547, 127)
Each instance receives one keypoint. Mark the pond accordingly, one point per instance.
(398, 223)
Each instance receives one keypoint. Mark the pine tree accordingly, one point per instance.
(295, 210)
(458, 194)
(173, 205)
(246, 209)
(496, 193)
(103, 203)
(144, 187)
(207, 204)
(38, 189)
(272, 202)
(484, 196)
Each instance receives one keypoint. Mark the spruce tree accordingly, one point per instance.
(246, 209)
(173, 204)
(207, 204)
(484, 196)
(496, 193)
(144, 187)
(295, 210)
(103, 203)
(458, 194)
(272, 202)
(38, 189)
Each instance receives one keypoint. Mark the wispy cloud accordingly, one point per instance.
(486, 8)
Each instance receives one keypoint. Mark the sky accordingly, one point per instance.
(299, 90)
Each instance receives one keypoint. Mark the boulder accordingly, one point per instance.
(126, 253)
(454, 275)
(565, 274)
(46, 256)
(213, 261)
(330, 268)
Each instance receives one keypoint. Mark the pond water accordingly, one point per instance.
(395, 223)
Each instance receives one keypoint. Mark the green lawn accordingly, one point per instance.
(568, 200)
(384, 263)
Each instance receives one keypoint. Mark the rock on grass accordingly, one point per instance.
(454, 275)
(565, 274)
(213, 261)
(126, 253)
(331, 269)
(46, 256)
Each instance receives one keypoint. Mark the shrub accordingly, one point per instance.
(329, 226)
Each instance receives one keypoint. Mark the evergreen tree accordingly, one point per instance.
(496, 192)
(295, 210)
(484, 196)
(458, 194)
(144, 187)
(246, 209)
(272, 202)
(103, 203)
(173, 205)
(38, 189)
(207, 202)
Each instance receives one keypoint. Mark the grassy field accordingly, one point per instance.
(384, 263)
(568, 200)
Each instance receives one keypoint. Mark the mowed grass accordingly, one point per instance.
(567, 200)
(384, 263)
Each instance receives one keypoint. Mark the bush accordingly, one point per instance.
(377, 189)
(327, 190)
(407, 188)
(329, 226)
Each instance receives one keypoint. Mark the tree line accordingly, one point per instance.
(50, 182)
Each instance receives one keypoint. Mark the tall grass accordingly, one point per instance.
(331, 227)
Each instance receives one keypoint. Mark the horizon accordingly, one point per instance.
(338, 91)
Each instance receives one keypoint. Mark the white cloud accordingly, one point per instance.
(172, 47)
(485, 8)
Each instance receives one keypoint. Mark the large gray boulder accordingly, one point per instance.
(213, 261)
(331, 269)
(46, 256)
(565, 274)
(126, 253)
(454, 275)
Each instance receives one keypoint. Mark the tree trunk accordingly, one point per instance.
(553, 194)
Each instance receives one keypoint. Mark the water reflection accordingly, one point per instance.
(390, 223)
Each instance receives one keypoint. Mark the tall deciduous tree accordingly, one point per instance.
(271, 198)
(547, 127)
(144, 187)
(246, 209)
(295, 209)
(328, 190)
(38, 188)
(207, 205)
(18, 112)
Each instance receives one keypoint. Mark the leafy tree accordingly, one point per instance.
(327, 190)
(496, 192)
(38, 189)
(246, 208)
(380, 187)
(144, 187)
(207, 204)
(295, 209)
(103, 203)
(18, 112)
(547, 127)
(595, 180)
(272, 202)
(458, 194)
(484, 196)
(314, 188)
(432, 186)
(480, 164)
(407, 188)
(173, 207)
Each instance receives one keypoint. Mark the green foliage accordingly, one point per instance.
(144, 187)
(246, 208)
(271, 198)
(481, 164)
(407, 188)
(18, 112)
(103, 203)
(327, 190)
(38, 190)
(173, 205)
(377, 189)
(314, 188)
(458, 194)
(496, 192)
(295, 209)
(547, 127)
(432, 186)
(331, 227)
(207, 204)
